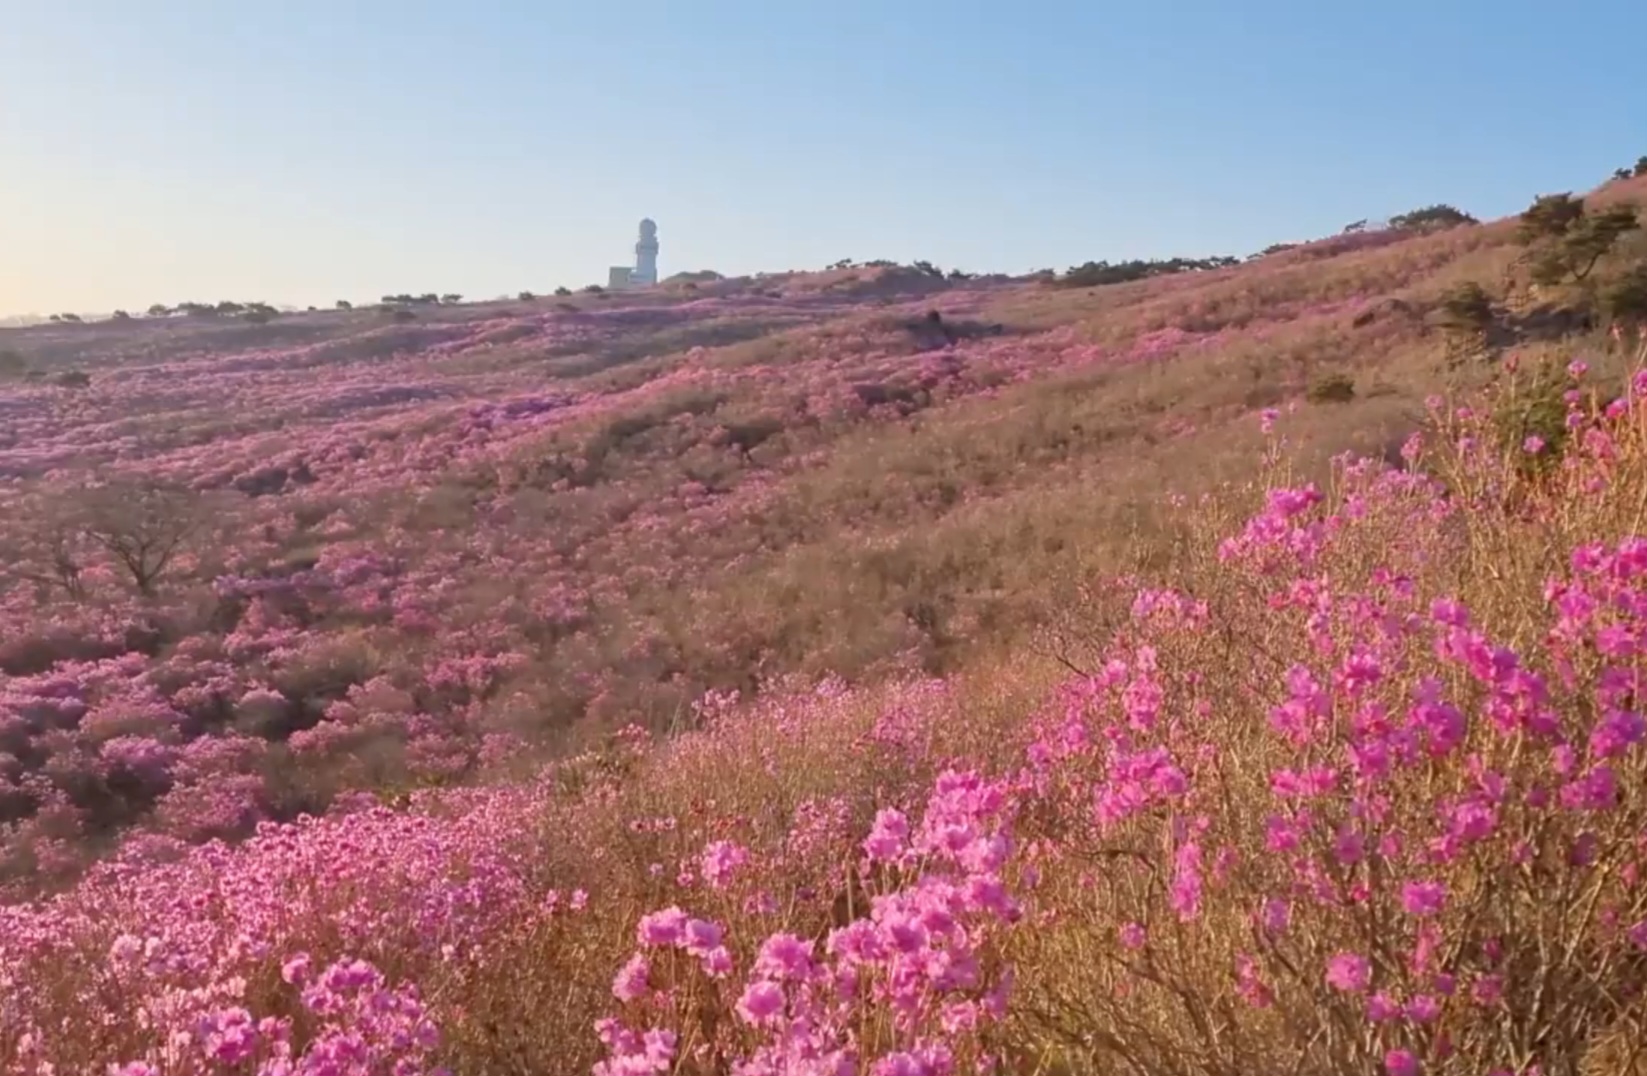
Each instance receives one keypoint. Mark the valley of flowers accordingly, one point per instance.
(1359, 786)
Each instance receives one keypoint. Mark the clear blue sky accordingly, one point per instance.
(305, 150)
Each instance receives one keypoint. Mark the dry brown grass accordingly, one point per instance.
(982, 512)
(1078, 1008)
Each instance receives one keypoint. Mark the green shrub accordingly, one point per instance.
(1550, 216)
(1102, 273)
(1624, 299)
(1465, 315)
(1466, 308)
(1331, 388)
(1529, 414)
(1431, 218)
(1565, 241)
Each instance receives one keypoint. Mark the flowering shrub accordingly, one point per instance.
(910, 979)
(510, 558)
(1399, 820)
(1359, 787)
(333, 678)
(297, 952)
(534, 525)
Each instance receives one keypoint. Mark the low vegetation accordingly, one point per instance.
(879, 671)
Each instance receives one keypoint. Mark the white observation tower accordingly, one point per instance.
(646, 254)
(645, 270)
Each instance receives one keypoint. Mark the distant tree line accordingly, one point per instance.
(256, 312)
(1431, 218)
(1090, 274)
(428, 298)
(924, 268)
(1102, 273)
(1637, 172)
(260, 312)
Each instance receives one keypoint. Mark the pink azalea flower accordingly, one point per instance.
(761, 1003)
(1349, 972)
(631, 982)
(1423, 898)
(1401, 1063)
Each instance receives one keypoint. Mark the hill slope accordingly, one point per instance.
(340, 552)
(1348, 777)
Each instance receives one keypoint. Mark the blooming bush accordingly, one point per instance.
(1399, 819)
(909, 978)
(1358, 786)
(462, 694)
(534, 525)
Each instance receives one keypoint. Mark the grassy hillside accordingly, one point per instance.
(1042, 691)
(535, 522)
(1343, 793)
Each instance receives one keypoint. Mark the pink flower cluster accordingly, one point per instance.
(918, 962)
(1428, 786)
